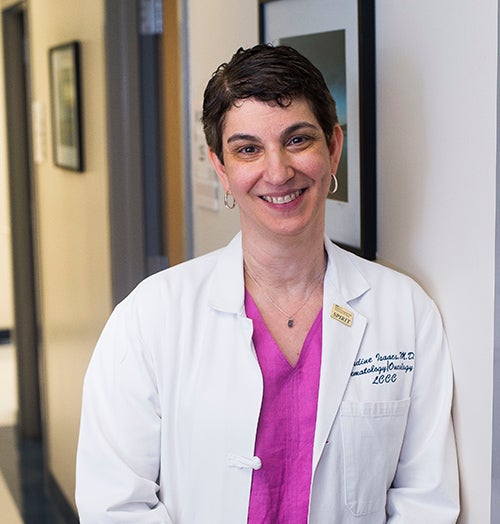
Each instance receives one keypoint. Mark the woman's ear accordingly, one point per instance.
(219, 169)
(335, 147)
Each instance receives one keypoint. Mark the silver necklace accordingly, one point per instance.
(290, 318)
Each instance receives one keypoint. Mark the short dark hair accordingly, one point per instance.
(274, 74)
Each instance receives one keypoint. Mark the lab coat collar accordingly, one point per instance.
(227, 286)
(342, 273)
(227, 291)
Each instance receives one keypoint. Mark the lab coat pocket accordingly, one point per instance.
(372, 435)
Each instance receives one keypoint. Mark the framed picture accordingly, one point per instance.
(338, 36)
(64, 62)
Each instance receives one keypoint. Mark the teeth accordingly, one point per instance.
(282, 199)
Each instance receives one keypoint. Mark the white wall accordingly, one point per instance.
(436, 121)
(436, 146)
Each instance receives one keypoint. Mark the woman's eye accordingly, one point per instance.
(298, 140)
(248, 150)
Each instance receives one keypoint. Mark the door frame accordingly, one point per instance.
(126, 193)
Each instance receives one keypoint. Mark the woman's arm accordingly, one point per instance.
(425, 488)
(118, 458)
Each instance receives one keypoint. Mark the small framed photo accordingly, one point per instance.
(338, 37)
(64, 63)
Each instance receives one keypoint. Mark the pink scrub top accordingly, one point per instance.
(285, 435)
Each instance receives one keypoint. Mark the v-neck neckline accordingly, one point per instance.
(267, 340)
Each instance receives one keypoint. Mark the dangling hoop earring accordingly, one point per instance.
(229, 201)
(335, 184)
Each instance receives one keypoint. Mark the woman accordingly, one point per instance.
(280, 379)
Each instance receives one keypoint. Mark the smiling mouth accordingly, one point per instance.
(282, 199)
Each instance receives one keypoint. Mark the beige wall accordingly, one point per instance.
(6, 305)
(73, 229)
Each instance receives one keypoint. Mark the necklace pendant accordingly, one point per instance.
(290, 322)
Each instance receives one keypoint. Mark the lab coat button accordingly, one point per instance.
(237, 461)
(256, 463)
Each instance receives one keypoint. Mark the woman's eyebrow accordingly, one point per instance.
(299, 125)
(288, 131)
(241, 136)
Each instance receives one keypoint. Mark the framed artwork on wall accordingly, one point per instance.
(64, 64)
(338, 36)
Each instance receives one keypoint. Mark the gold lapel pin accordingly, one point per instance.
(341, 314)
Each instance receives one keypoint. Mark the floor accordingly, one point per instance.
(22, 475)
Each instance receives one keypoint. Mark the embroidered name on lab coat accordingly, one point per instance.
(384, 368)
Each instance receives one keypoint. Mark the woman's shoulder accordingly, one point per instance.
(184, 276)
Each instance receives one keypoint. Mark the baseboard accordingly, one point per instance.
(60, 501)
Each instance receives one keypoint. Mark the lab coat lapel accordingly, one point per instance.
(341, 342)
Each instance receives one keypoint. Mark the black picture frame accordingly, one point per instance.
(313, 27)
(66, 106)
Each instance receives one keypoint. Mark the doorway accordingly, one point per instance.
(22, 215)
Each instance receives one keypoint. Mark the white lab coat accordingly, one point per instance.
(173, 392)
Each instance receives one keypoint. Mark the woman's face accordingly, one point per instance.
(277, 165)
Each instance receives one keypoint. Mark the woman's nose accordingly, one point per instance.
(277, 170)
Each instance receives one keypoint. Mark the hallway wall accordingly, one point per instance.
(6, 305)
(73, 228)
(437, 139)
